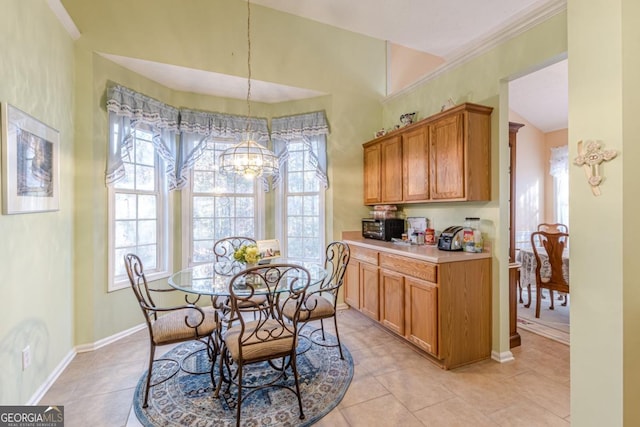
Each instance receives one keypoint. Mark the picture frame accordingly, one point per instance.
(268, 249)
(30, 163)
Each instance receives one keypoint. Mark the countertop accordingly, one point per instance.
(421, 252)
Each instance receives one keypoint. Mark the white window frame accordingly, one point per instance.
(164, 263)
(282, 220)
(187, 214)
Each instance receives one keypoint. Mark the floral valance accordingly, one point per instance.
(309, 128)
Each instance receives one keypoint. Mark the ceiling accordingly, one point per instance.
(449, 29)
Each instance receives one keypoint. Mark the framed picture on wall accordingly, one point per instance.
(30, 163)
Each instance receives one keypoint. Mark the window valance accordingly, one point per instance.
(197, 128)
(309, 128)
(128, 111)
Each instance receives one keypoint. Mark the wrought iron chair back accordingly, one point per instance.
(322, 303)
(270, 335)
(169, 325)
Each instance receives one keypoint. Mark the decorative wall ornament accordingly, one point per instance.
(590, 156)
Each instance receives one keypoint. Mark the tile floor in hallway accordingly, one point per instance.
(393, 385)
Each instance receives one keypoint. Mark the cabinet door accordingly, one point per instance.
(446, 138)
(392, 300)
(352, 284)
(372, 174)
(369, 301)
(415, 164)
(421, 302)
(391, 180)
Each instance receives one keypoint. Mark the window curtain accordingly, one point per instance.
(198, 128)
(559, 162)
(559, 170)
(311, 129)
(129, 110)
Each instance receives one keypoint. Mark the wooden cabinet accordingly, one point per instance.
(392, 300)
(415, 164)
(446, 137)
(391, 181)
(383, 171)
(442, 308)
(445, 157)
(372, 174)
(370, 294)
(421, 304)
(361, 282)
(352, 284)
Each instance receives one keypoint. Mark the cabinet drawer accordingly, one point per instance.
(410, 267)
(364, 254)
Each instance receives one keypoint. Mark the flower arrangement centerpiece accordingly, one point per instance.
(247, 254)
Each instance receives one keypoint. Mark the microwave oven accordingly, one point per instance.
(382, 229)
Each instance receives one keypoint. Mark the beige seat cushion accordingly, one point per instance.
(255, 348)
(319, 306)
(256, 299)
(171, 327)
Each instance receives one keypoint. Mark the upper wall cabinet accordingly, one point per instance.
(445, 157)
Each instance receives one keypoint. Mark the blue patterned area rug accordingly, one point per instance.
(187, 399)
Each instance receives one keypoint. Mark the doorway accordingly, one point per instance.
(538, 116)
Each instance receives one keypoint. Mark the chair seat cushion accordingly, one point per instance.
(171, 327)
(316, 307)
(270, 340)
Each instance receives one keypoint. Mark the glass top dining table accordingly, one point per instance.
(213, 278)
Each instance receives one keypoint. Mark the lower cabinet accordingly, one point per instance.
(444, 309)
(370, 294)
(421, 303)
(352, 284)
(392, 302)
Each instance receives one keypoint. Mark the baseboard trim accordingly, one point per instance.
(504, 357)
(42, 390)
(108, 340)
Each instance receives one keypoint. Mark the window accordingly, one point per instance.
(300, 206)
(218, 205)
(559, 170)
(138, 212)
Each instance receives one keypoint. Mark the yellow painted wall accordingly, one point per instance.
(210, 35)
(483, 80)
(604, 100)
(36, 291)
(530, 177)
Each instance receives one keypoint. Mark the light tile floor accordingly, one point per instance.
(393, 385)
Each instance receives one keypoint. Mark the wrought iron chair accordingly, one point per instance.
(553, 244)
(169, 325)
(267, 338)
(224, 249)
(321, 303)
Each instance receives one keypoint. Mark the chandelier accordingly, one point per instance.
(248, 158)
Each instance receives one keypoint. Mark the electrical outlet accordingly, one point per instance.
(26, 357)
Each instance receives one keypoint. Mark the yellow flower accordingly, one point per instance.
(247, 253)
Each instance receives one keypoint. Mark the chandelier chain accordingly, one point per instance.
(248, 64)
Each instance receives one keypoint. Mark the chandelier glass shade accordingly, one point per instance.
(248, 158)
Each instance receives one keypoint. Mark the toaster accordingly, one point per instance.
(451, 239)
